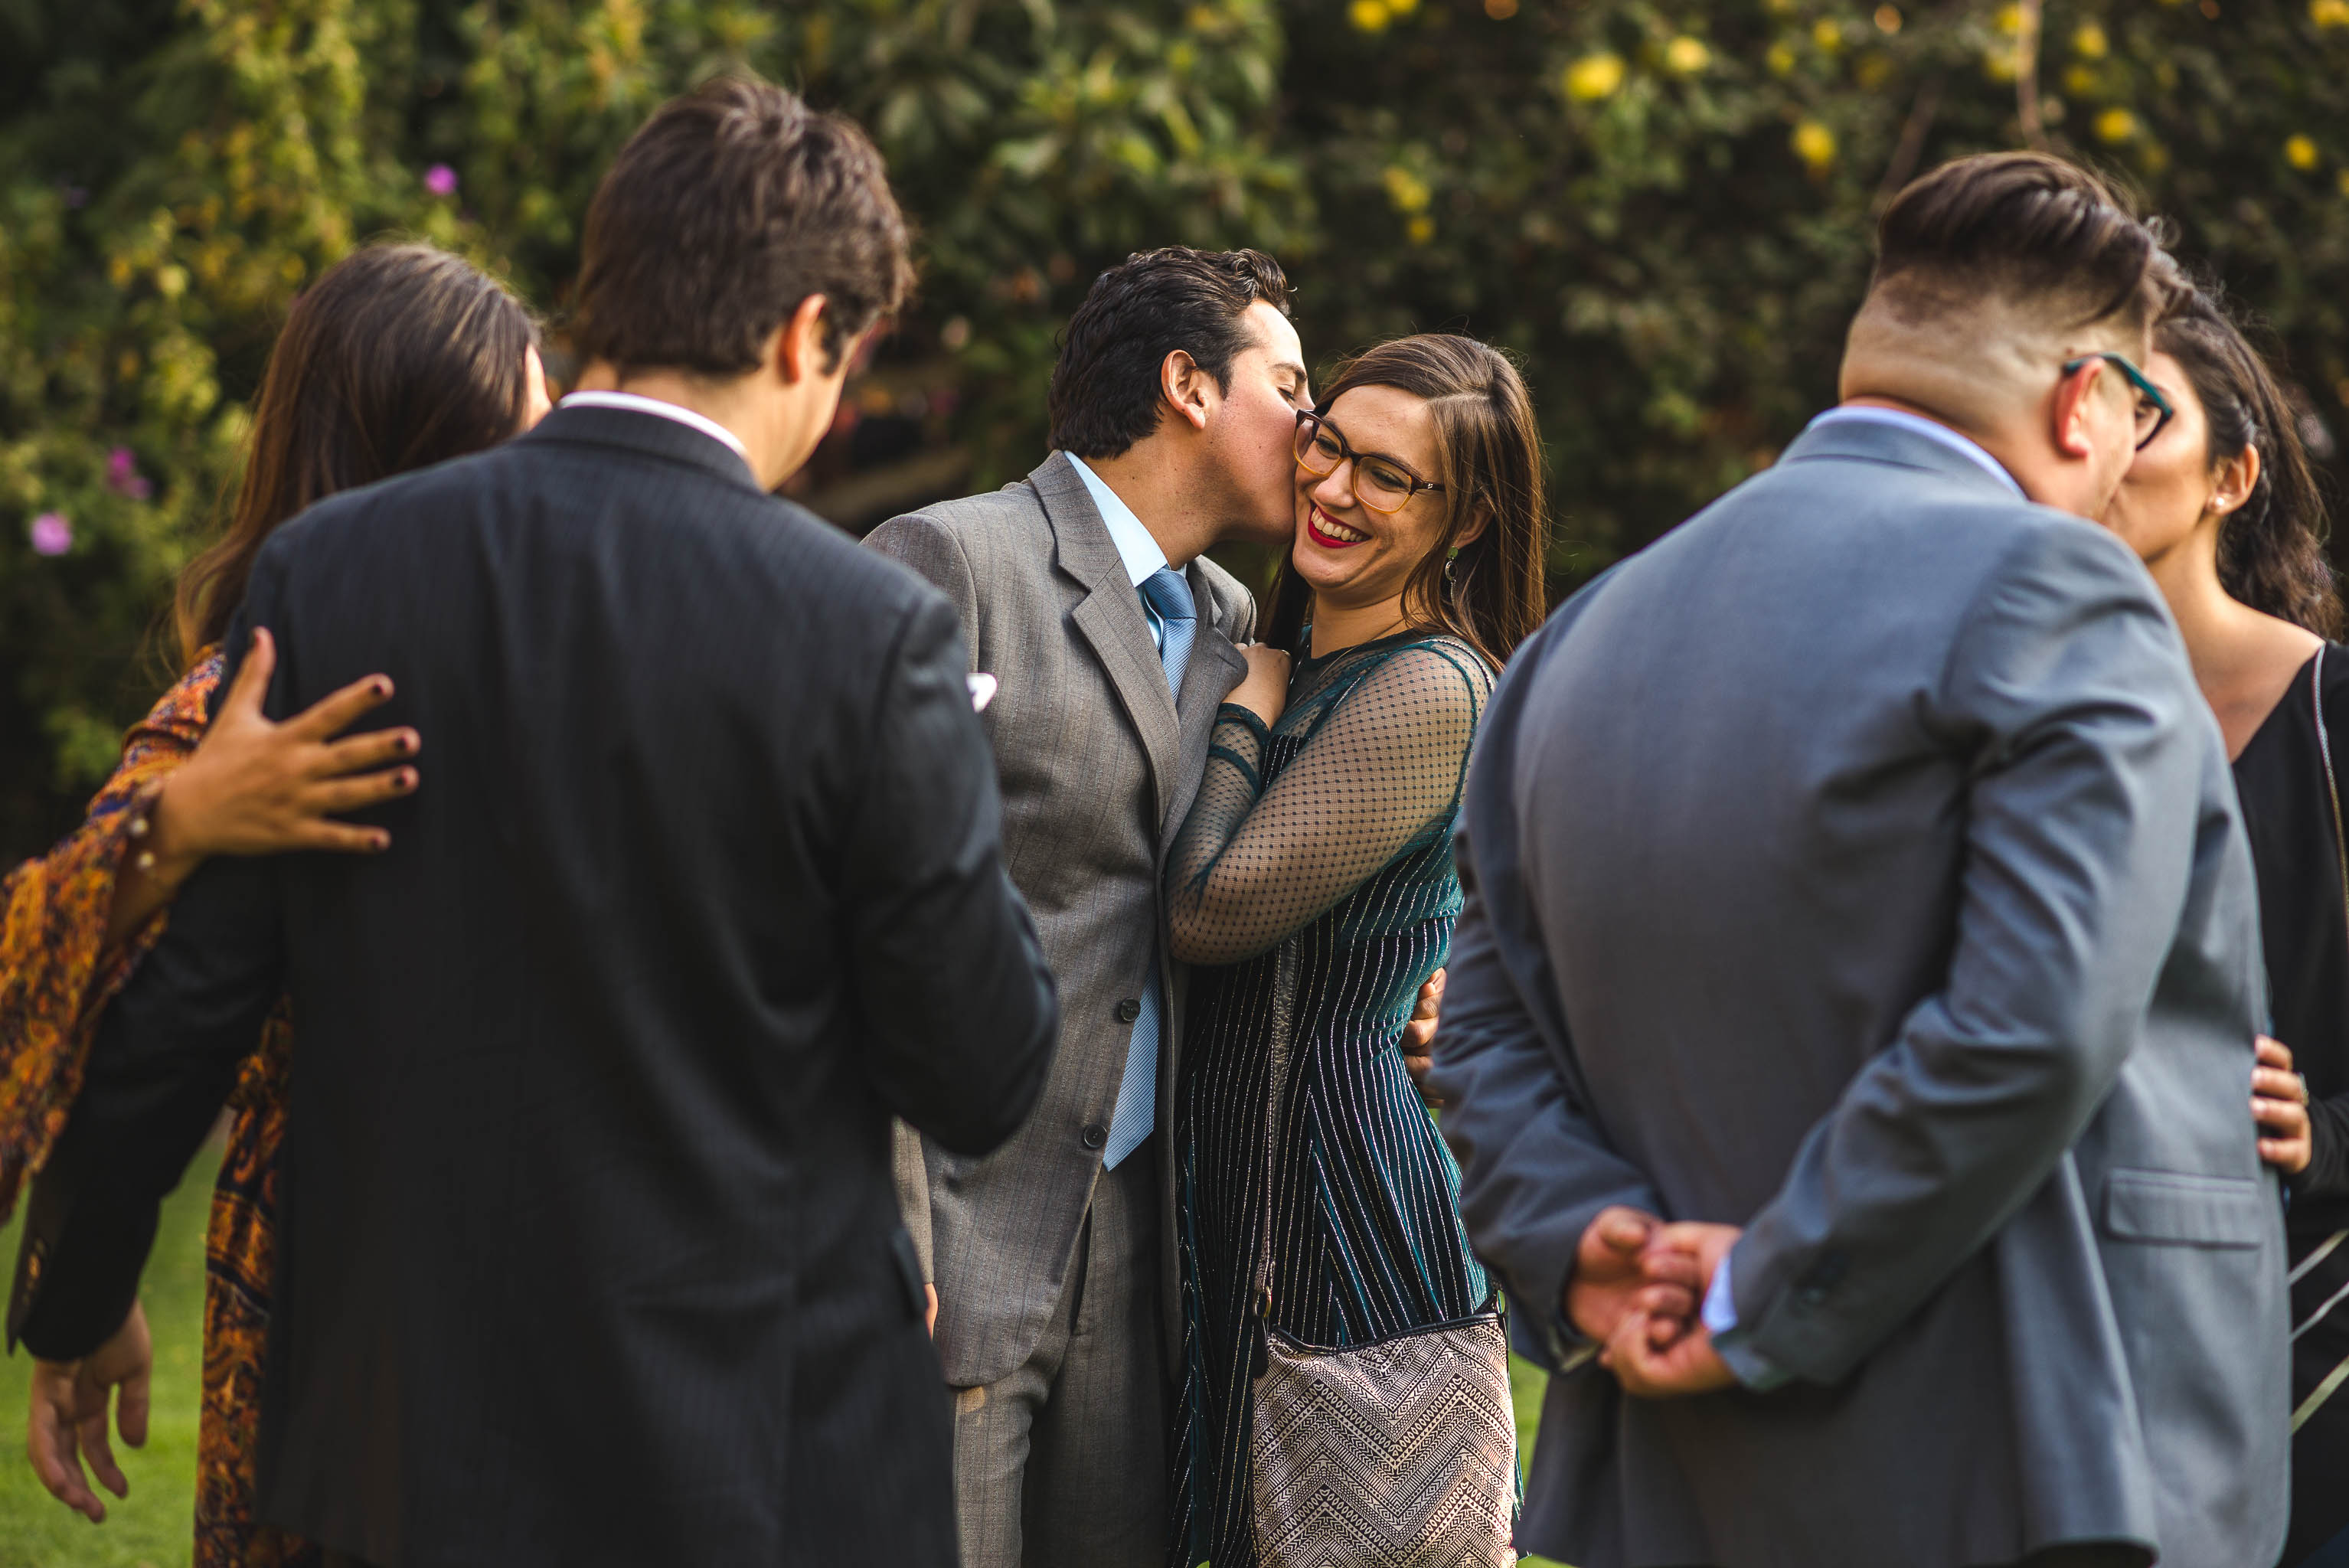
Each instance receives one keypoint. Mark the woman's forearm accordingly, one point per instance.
(152, 868)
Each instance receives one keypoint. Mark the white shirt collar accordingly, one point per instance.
(1916, 424)
(1134, 546)
(638, 404)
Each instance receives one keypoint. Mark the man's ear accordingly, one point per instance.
(1191, 392)
(2075, 396)
(797, 349)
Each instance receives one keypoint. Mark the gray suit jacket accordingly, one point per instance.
(1098, 764)
(1859, 864)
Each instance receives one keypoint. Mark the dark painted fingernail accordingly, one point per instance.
(407, 778)
(382, 842)
(382, 688)
(408, 744)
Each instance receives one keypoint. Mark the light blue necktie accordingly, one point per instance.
(1165, 591)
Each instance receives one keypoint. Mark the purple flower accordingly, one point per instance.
(122, 475)
(440, 179)
(52, 535)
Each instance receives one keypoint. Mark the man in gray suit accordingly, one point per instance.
(1086, 597)
(1858, 867)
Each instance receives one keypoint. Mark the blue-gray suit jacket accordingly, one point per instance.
(1859, 865)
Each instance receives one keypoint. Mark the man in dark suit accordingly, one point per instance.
(1854, 879)
(588, 1250)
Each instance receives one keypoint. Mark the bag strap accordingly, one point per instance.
(1284, 1026)
(2332, 780)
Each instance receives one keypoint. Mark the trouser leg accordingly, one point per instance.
(991, 1438)
(1096, 1481)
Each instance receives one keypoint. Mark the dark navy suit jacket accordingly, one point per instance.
(588, 1250)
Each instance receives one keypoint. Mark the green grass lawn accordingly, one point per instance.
(150, 1528)
(153, 1526)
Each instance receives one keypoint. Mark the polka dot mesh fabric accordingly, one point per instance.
(1385, 729)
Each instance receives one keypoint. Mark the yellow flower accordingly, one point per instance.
(2009, 19)
(2340, 183)
(1421, 228)
(1369, 15)
(1403, 7)
(1407, 190)
(2116, 125)
(1815, 144)
(1594, 77)
(2329, 13)
(2080, 79)
(2299, 152)
(1828, 34)
(1780, 59)
(1686, 55)
(2090, 42)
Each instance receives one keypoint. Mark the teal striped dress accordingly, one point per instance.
(1331, 831)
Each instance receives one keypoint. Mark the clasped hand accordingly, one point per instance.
(1637, 1288)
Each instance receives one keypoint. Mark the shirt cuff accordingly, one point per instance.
(1719, 1315)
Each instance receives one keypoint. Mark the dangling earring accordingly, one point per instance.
(1450, 556)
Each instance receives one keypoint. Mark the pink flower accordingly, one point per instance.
(52, 535)
(440, 179)
(122, 475)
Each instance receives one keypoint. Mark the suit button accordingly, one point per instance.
(1096, 1135)
(1128, 1010)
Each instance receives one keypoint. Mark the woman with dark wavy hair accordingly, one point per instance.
(2224, 508)
(398, 357)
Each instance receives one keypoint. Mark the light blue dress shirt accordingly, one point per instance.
(1917, 424)
(1137, 1090)
(1134, 546)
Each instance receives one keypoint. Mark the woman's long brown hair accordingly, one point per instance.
(2271, 548)
(1489, 462)
(398, 357)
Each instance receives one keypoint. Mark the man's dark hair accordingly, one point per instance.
(728, 207)
(1104, 395)
(2027, 227)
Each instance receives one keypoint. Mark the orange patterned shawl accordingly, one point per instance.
(56, 976)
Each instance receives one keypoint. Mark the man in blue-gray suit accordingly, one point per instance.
(1855, 882)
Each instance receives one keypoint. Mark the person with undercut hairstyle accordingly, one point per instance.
(1851, 1021)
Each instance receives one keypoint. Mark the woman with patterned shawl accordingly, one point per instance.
(399, 357)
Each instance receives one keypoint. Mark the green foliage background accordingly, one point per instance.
(1663, 207)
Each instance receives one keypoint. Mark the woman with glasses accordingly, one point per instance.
(2221, 505)
(1312, 890)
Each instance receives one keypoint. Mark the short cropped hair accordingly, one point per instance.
(726, 211)
(2029, 228)
(1104, 393)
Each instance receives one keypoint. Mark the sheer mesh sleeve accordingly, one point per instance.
(1253, 865)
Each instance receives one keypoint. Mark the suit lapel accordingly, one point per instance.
(1110, 617)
